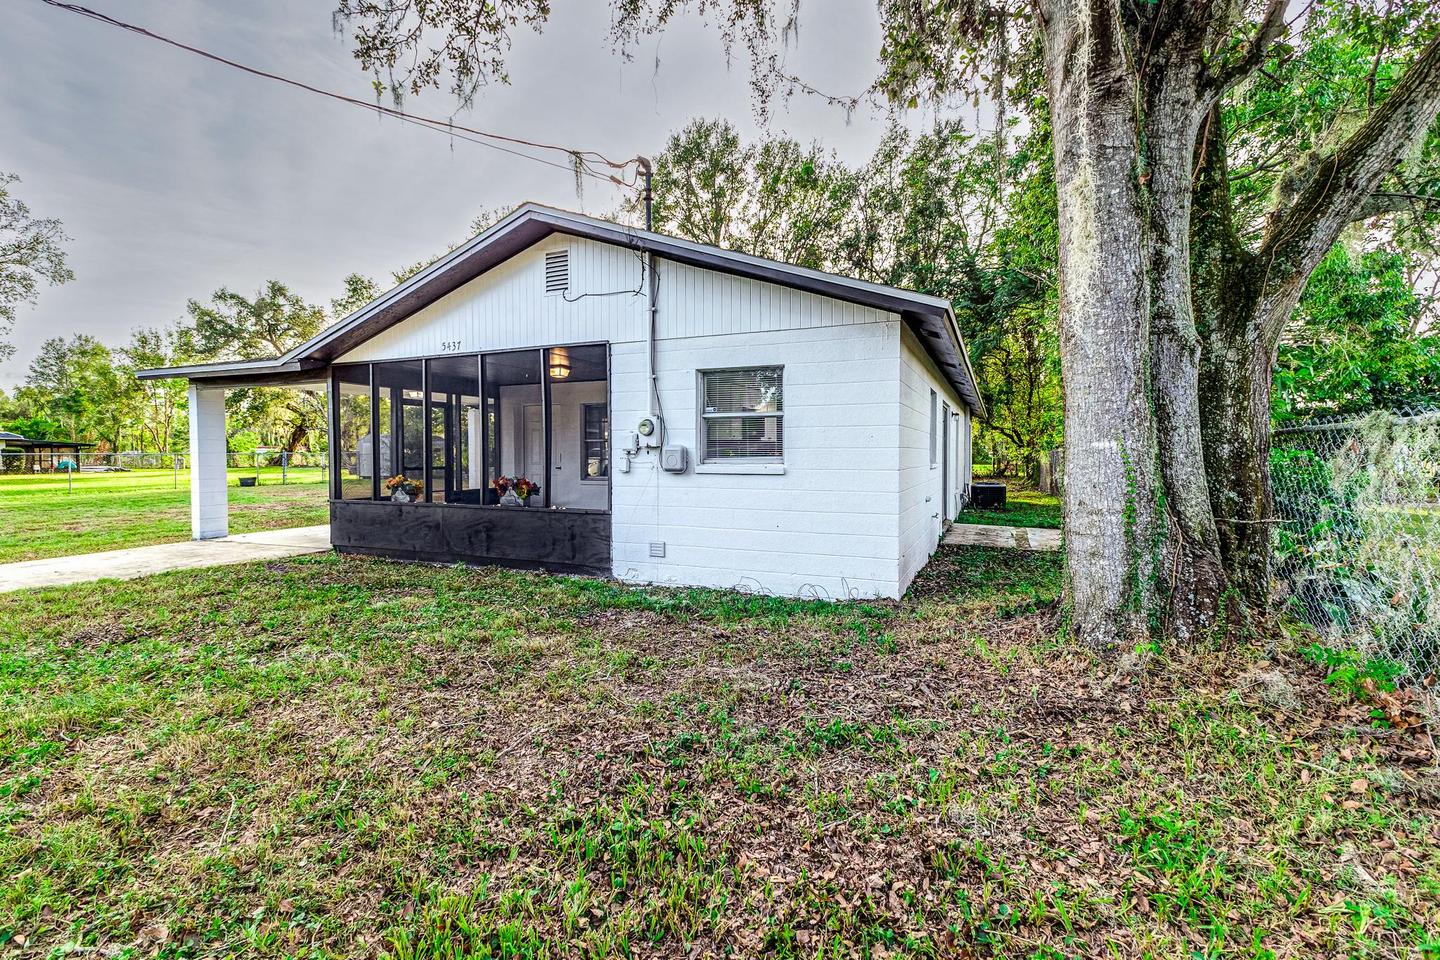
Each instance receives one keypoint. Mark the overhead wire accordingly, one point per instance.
(581, 160)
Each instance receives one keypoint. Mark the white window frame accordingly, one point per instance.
(757, 465)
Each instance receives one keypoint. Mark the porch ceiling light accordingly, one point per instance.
(559, 363)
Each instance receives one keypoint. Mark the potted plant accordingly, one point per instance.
(402, 489)
(514, 491)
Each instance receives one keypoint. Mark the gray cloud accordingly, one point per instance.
(175, 176)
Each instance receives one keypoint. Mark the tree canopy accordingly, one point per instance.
(31, 253)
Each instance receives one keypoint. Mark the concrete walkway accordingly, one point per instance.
(1012, 538)
(143, 561)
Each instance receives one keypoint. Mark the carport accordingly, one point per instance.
(209, 496)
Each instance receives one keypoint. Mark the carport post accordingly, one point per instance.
(209, 499)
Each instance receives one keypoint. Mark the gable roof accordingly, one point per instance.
(931, 318)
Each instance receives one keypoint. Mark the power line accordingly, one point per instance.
(581, 159)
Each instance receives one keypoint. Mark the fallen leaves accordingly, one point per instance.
(644, 770)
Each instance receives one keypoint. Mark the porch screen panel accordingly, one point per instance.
(403, 433)
(742, 414)
(352, 462)
(579, 426)
(514, 418)
(439, 452)
(596, 450)
(455, 429)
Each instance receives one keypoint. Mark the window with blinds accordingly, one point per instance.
(742, 415)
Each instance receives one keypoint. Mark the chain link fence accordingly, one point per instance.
(78, 468)
(1357, 537)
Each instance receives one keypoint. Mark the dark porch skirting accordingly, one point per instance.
(565, 541)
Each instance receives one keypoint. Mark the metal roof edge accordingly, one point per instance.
(980, 409)
(565, 221)
(200, 371)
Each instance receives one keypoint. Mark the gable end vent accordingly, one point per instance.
(557, 271)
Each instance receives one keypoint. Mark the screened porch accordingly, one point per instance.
(425, 450)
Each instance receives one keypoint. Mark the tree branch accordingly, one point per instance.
(1250, 60)
(1383, 202)
(1337, 186)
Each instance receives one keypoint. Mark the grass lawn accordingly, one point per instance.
(1023, 508)
(340, 756)
(108, 511)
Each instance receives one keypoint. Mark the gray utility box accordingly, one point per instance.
(674, 459)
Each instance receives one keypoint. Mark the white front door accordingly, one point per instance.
(533, 443)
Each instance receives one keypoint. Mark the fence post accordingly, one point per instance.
(69, 477)
(284, 467)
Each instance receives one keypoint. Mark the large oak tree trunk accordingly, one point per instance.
(1112, 525)
(1196, 585)
(298, 432)
(1234, 374)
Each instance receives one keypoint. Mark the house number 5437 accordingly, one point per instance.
(450, 346)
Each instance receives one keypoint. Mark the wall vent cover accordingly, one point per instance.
(557, 271)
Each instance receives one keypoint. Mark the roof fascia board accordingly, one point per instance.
(223, 368)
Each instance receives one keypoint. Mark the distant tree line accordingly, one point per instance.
(79, 388)
(948, 212)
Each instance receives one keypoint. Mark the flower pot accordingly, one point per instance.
(400, 496)
(510, 499)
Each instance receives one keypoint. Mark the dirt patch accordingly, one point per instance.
(93, 635)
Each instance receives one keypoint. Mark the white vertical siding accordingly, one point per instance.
(695, 302)
(922, 503)
(507, 307)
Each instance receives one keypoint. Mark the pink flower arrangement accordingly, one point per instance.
(523, 487)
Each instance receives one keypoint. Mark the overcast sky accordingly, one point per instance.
(174, 175)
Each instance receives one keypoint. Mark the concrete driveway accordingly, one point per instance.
(143, 561)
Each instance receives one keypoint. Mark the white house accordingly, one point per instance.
(692, 416)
